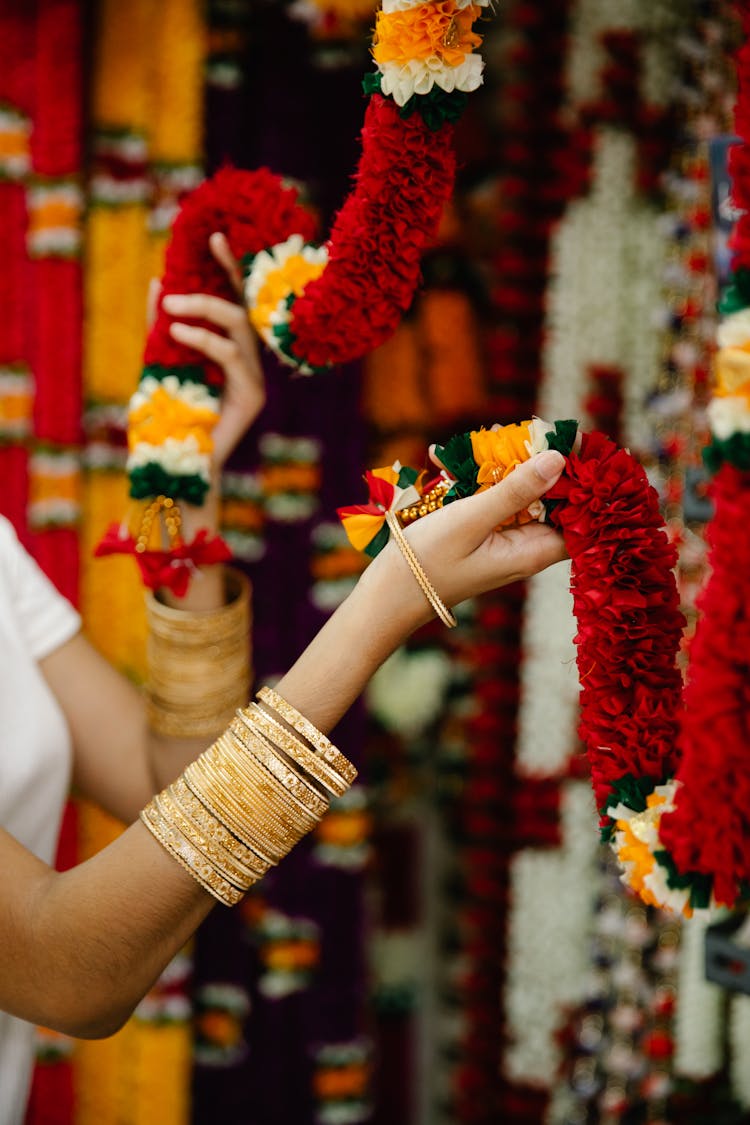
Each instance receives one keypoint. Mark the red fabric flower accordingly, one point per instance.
(172, 569)
(627, 608)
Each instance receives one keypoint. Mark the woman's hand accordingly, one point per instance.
(467, 549)
(463, 550)
(463, 556)
(236, 352)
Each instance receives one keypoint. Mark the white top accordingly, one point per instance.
(35, 756)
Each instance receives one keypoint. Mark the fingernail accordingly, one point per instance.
(549, 464)
(173, 303)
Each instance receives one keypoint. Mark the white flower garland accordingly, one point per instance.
(547, 951)
(739, 1041)
(549, 686)
(698, 1052)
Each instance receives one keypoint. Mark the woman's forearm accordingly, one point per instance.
(385, 607)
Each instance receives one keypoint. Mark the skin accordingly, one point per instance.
(116, 920)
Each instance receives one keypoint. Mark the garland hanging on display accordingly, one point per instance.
(315, 306)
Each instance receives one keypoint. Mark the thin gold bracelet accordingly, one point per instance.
(441, 609)
(308, 730)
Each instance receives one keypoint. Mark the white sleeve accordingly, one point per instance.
(45, 618)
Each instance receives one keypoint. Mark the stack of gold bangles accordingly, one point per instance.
(245, 803)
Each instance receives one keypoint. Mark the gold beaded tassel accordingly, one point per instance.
(429, 502)
(168, 509)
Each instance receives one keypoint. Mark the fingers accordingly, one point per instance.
(224, 256)
(202, 306)
(516, 492)
(221, 349)
(152, 301)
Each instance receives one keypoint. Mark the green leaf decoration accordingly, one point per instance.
(631, 791)
(189, 373)
(375, 546)
(407, 476)
(735, 450)
(698, 883)
(736, 296)
(152, 480)
(563, 437)
(458, 457)
(372, 82)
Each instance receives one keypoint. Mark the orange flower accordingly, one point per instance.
(290, 955)
(341, 563)
(438, 30)
(163, 416)
(499, 452)
(341, 1082)
(220, 1027)
(290, 478)
(344, 828)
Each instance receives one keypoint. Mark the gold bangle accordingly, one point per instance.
(202, 627)
(199, 667)
(281, 736)
(281, 826)
(212, 827)
(276, 762)
(203, 789)
(441, 609)
(308, 730)
(223, 863)
(172, 840)
(277, 799)
(253, 825)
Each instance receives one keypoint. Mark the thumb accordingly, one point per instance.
(517, 491)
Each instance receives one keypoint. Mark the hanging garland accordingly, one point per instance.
(624, 592)
(315, 306)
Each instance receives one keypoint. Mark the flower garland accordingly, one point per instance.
(302, 298)
(624, 593)
(176, 405)
(667, 856)
(316, 306)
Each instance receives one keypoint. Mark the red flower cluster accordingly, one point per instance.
(709, 831)
(255, 210)
(627, 608)
(404, 178)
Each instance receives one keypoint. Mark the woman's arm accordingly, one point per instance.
(80, 948)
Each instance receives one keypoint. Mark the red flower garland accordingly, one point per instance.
(404, 179)
(709, 831)
(629, 624)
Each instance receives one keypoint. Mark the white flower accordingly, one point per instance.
(195, 395)
(178, 458)
(728, 415)
(406, 694)
(418, 76)
(734, 330)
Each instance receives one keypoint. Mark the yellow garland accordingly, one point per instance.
(147, 82)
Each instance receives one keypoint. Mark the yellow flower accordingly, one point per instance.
(431, 31)
(732, 366)
(291, 277)
(163, 416)
(498, 452)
